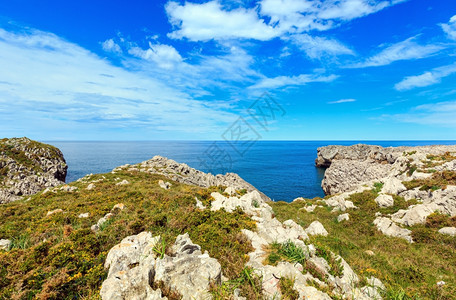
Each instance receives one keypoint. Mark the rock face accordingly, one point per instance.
(27, 167)
(185, 174)
(352, 166)
(134, 269)
(352, 169)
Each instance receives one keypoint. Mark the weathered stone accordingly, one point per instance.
(230, 191)
(388, 227)
(384, 200)
(189, 272)
(55, 211)
(84, 215)
(91, 186)
(343, 217)
(316, 228)
(123, 182)
(164, 185)
(5, 244)
(448, 230)
(43, 167)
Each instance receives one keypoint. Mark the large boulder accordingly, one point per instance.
(27, 167)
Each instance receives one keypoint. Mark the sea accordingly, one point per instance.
(283, 170)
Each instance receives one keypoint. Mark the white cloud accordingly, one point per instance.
(203, 22)
(404, 50)
(318, 47)
(58, 89)
(342, 101)
(427, 78)
(111, 46)
(285, 81)
(450, 28)
(440, 114)
(164, 56)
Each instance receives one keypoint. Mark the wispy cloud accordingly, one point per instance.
(342, 101)
(63, 86)
(164, 56)
(318, 47)
(286, 81)
(450, 28)
(440, 114)
(405, 50)
(111, 46)
(426, 79)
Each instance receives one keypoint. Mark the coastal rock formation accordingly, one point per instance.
(27, 167)
(425, 175)
(185, 174)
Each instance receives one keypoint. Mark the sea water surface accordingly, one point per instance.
(283, 170)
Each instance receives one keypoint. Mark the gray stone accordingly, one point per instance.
(5, 244)
(448, 230)
(388, 227)
(164, 185)
(84, 215)
(91, 186)
(123, 182)
(384, 200)
(316, 228)
(343, 217)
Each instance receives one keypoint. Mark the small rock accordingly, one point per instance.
(123, 182)
(448, 230)
(5, 244)
(343, 217)
(369, 252)
(316, 228)
(55, 211)
(84, 215)
(119, 206)
(230, 191)
(164, 185)
(384, 200)
(199, 204)
(90, 186)
(441, 283)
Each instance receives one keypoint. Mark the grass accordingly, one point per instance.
(247, 281)
(59, 257)
(286, 288)
(438, 180)
(287, 251)
(409, 271)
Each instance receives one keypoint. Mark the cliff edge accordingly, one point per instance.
(27, 167)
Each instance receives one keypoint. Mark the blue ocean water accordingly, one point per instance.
(283, 170)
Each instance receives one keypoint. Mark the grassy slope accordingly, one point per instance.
(410, 271)
(59, 257)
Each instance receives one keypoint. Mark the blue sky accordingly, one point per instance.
(145, 70)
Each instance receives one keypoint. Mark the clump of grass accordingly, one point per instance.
(378, 187)
(438, 220)
(286, 288)
(247, 282)
(287, 251)
(438, 180)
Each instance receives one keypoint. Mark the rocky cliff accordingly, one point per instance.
(425, 176)
(27, 166)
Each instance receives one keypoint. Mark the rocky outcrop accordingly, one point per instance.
(185, 174)
(136, 272)
(27, 167)
(352, 169)
(348, 167)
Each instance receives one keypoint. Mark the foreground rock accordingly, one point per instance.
(185, 174)
(27, 167)
(135, 271)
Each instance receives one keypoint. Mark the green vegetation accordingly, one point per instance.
(248, 281)
(286, 288)
(409, 271)
(378, 187)
(438, 180)
(287, 251)
(59, 257)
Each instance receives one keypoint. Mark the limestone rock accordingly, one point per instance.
(91, 186)
(384, 200)
(5, 244)
(84, 215)
(343, 217)
(392, 185)
(55, 211)
(164, 185)
(388, 227)
(29, 168)
(123, 182)
(185, 174)
(448, 230)
(230, 191)
(189, 272)
(199, 204)
(316, 228)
